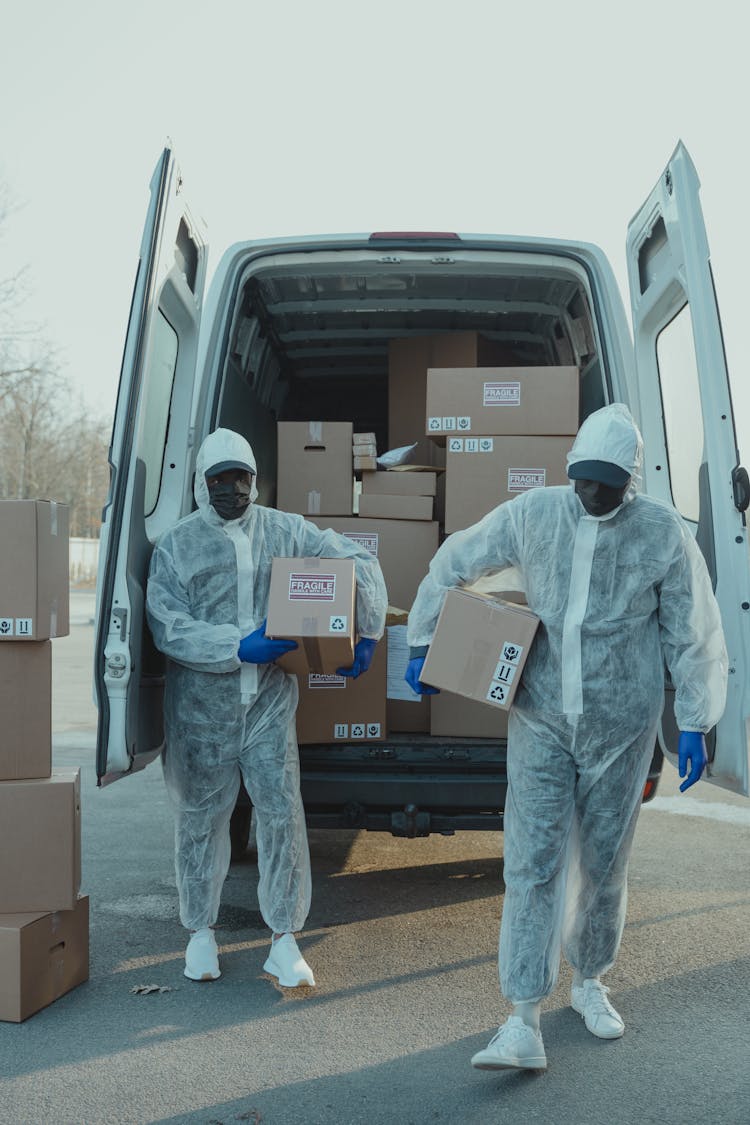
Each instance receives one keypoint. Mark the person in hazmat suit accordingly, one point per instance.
(229, 710)
(620, 588)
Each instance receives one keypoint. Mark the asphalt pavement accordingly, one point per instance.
(403, 940)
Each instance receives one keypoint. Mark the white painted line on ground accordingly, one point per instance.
(689, 806)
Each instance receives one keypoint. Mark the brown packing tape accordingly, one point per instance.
(474, 681)
(313, 503)
(311, 647)
(315, 432)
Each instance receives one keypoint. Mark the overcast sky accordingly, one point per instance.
(299, 118)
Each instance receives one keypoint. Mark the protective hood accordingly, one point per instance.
(611, 435)
(227, 449)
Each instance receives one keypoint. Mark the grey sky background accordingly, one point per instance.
(297, 118)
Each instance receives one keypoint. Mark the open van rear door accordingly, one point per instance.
(691, 455)
(149, 455)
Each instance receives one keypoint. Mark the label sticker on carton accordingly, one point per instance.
(338, 623)
(6, 626)
(456, 445)
(312, 587)
(511, 653)
(486, 444)
(504, 674)
(463, 423)
(366, 539)
(373, 730)
(501, 394)
(521, 480)
(340, 730)
(434, 425)
(471, 445)
(449, 423)
(358, 730)
(24, 626)
(498, 693)
(325, 680)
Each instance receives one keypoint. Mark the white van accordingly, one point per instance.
(298, 328)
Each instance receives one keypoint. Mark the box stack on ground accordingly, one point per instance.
(44, 949)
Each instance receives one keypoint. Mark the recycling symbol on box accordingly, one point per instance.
(338, 624)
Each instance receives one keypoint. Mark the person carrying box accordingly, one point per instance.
(621, 588)
(229, 710)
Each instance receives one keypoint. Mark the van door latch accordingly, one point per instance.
(741, 488)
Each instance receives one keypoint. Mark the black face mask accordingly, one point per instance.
(229, 498)
(599, 499)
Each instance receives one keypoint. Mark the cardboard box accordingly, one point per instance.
(365, 463)
(408, 361)
(501, 400)
(484, 472)
(315, 474)
(453, 716)
(398, 483)
(404, 549)
(312, 601)
(340, 709)
(34, 570)
(368, 438)
(395, 507)
(480, 647)
(42, 956)
(26, 708)
(40, 836)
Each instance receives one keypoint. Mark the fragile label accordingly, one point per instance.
(366, 539)
(521, 480)
(502, 394)
(324, 680)
(312, 587)
(338, 623)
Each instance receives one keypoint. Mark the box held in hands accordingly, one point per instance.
(312, 601)
(480, 647)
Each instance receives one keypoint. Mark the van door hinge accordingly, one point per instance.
(741, 488)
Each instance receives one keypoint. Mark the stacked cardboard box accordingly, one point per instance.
(365, 452)
(314, 473)
(43, 920)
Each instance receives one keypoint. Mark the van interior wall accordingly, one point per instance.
(320, 373)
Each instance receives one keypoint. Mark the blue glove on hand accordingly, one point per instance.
(257, 648)
(413, 672)
(691, 748)
(363, 652)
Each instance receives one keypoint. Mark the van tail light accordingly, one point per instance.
(649, 789)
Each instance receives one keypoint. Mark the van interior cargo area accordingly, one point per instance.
(311, 333)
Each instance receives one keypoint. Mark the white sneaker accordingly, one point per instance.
(515, 1045)
(202, 956)
(599, 1016)
(287, 963)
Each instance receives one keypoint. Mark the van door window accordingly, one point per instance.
(158, 383)
(683, 416)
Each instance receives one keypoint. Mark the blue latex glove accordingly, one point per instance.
(257, 648)
(691, 748)
(363, 652)
(413, 672)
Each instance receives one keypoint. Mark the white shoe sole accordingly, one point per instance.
(617, 1034)
(204, 976)
(288, 982)
(536, 1062)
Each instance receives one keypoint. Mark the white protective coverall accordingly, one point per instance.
(617, 596)
(208, 588)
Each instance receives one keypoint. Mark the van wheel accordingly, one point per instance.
(239, 833)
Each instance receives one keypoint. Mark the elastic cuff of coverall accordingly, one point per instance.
(417, 651)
